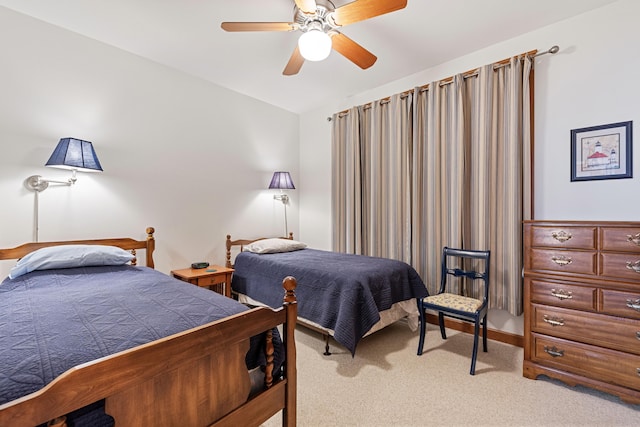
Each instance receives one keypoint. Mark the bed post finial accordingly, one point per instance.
(289, 284)
(151, 246)
(228, 258)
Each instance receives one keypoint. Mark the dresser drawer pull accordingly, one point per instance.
(561, 236)
(634, 304)
(638, 335)
(553, 321)
(638, 371)
(634, 239)
(635, 266)
(553, 351)
(561, 260)
(562, 294)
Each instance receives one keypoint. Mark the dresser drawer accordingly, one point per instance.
(624, 266)
(599, 329)
(620, 303)
(610, 366)
(563, 295)
(581, 237)
(580, 262)
(626, 239)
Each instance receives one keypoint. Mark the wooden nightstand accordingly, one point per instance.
(214, 277)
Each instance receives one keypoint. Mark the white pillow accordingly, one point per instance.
(68, 256)
(272, 246)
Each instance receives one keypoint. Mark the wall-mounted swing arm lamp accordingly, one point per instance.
(70, 153)
(282, 181)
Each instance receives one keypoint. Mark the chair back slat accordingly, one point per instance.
(473, 275)
(474, 280)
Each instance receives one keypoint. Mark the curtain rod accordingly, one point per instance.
(533, 53)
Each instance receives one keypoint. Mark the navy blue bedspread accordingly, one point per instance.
(53, 320)
(342, 292)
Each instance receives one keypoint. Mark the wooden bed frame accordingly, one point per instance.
(194, 378)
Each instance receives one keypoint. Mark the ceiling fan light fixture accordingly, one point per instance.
(314, 45)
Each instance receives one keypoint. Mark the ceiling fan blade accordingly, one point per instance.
(353, 51)
(364, 9)
(259, 26)
(307, 6)
(294, 64)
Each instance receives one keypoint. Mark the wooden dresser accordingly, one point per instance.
(582, 304)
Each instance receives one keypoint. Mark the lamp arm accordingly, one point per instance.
(38, 183)
(282, 197)
(53, 181)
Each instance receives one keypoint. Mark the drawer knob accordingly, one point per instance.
(562, 260)
(638, 335)
(562, 294)
(634, 239)
(553, 321)
(634, 304)
(635, 266)
(561, 236)
(553, 351)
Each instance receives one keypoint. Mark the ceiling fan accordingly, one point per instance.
(319, 21)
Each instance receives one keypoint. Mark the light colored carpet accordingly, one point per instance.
(387, 384)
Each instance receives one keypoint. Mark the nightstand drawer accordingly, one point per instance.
(213, 280)
(564, 237)
(563, 295)
(216, 278)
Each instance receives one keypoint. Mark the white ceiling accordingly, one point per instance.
(186, 35)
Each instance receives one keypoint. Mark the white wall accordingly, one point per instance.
(190, 158)
(591, 81)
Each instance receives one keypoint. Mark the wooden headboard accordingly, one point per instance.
(242, 242)
(126, 243)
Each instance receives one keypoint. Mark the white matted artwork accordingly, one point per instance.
(602, 152)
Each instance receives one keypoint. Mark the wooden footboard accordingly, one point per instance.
(194, 378)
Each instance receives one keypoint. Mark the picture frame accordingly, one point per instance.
(602, 152)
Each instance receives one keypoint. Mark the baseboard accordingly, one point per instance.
(492, 334)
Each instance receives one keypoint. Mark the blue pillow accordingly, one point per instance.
(69, 256)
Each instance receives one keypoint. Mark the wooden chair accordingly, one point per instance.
(463, 295)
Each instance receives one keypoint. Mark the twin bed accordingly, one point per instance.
(99, 340)
(343, 296)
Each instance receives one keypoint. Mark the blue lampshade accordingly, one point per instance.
(75, 154)
(282, 180)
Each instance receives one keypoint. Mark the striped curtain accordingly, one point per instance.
(446, 165)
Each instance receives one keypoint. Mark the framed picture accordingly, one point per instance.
(601, 152)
